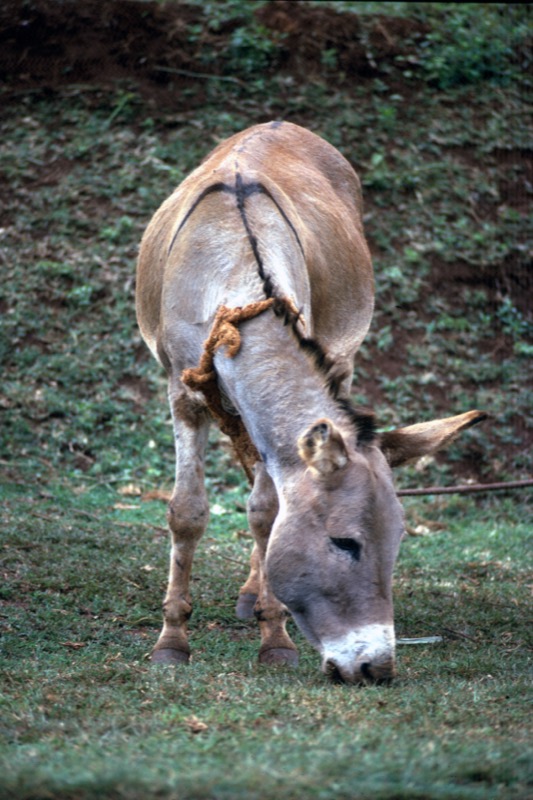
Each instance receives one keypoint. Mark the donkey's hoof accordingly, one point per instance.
(166, 655)
(279, 655)
(245, 605)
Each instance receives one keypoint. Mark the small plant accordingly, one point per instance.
(472, 42)
(251, 51)
(513, 322)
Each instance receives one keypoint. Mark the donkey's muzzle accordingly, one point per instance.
(363, 655)
(362, 672)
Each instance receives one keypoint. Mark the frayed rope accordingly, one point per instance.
(203, 378)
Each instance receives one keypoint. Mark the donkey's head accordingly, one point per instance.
(336, 538)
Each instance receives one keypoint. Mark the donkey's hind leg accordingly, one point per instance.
(262, 511)
(188, 513)
(276, 645)
(250, 589)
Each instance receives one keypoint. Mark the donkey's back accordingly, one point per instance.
(272, 208)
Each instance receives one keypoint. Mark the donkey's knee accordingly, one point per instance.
(261, 516)
(262, 509)
(262, 505)
(188, 516)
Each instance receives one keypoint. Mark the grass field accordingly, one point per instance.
(85, 715)
(442, 143)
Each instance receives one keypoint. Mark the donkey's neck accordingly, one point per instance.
(278, 390)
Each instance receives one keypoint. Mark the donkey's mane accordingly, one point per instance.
(362, 419)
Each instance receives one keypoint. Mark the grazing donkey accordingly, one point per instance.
(254, 291)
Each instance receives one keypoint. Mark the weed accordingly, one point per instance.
(478, 42)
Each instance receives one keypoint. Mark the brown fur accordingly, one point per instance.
(192, 413)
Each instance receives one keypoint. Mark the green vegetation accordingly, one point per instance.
(85, 715)
(438, 130)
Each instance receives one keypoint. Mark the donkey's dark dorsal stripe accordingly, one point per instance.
(255, 290)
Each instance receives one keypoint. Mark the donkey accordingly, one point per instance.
(254, 291)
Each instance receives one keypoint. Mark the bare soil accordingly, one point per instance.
(46, 43)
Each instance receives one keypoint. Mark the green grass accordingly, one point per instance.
(85, 715)
(85, 430)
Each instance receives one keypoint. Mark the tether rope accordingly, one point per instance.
(467, 488)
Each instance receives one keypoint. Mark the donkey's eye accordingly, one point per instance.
(349, 545)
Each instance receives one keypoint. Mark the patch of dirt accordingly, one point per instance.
(51, 43)
(53, 172)
(137, 389)
(357, 47)
(512, 277)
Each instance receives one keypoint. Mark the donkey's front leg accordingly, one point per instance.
(188, 513)
(276, 645)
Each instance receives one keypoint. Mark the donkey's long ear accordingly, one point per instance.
(322, 447)
(406, 444)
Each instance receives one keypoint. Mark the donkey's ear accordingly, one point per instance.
(322, 447)
(406, 444)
